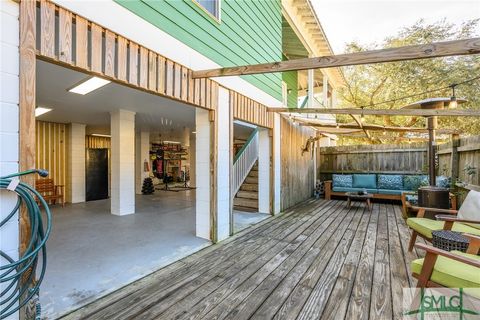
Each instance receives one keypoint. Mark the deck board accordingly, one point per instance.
(318, 260)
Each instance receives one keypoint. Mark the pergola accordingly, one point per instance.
(304, 115)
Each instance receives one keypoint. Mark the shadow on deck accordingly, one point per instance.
(317, 260)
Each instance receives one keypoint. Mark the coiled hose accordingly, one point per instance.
(19, 274)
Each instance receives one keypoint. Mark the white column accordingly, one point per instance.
(9, 126)
(223, 165)
(142, 154)
(76, 163)
(122, 129)
(276, 163)
(325, 90)
(310, 87)
(264, 171)
(202, 173)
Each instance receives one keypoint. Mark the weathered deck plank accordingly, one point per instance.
(319, 260)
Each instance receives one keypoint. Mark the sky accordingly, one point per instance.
(371, 21)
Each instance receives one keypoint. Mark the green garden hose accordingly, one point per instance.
(18, 275)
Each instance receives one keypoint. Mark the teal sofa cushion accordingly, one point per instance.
(413, 182)
(367, 181)
(412, 198)
(443, 182)
(390, 191)
(340, 189)
(342, 180)
(390, 181)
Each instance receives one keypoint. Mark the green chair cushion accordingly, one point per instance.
(425, 226)
(454, 274)
(342, 180)
(340, 189)
(367, 181)
(390, 181)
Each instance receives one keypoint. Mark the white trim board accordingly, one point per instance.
(131, 26)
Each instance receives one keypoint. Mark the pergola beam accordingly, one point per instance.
(424, 51)
(371, 127)
(385, 112)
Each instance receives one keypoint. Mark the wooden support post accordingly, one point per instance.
(27, 103)
(455, 158)
(27, 110)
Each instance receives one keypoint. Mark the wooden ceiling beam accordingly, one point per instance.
(385, 112)
(424, 51)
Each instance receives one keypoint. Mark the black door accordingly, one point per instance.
(97, 174)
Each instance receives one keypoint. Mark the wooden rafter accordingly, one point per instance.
(373, 127)
(424, 51)
(385, 112)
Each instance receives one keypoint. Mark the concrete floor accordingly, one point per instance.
(92, 252)
(244, 219)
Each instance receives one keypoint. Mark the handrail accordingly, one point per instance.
(239, 153)
(244, 161)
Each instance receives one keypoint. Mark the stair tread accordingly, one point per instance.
(247, 194)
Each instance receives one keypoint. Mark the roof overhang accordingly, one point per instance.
(304, 22)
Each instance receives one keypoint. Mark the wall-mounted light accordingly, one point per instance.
(89, 85)
(41, 110)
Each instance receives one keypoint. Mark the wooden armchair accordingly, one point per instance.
(424, 227)
(450, 269)
(50, 191)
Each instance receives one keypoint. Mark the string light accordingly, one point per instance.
(338, 126)
(384, 131)
(362, 117)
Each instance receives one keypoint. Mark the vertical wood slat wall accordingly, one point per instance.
(249, 110)
(51, 151)
(82, 44)
(109, 55)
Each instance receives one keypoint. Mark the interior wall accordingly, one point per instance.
(297, 170)
(51, 151)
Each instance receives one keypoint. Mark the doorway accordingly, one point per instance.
(96, 178)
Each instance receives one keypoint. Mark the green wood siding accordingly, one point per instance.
(250, 31)
(291, 79)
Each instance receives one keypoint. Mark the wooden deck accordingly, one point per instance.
(318, 260)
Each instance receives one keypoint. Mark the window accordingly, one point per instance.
(212, 7)
(284, 94)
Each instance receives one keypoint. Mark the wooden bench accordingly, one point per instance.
(49, 191)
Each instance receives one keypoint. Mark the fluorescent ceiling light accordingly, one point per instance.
(89, 85)
(41, 110)
(173, 142)
(101, 135)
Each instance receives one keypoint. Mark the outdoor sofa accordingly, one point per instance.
(382, 186)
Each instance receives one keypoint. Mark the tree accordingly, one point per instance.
(372, 85)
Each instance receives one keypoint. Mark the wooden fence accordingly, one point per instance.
(455, 156)
(409, 158)
(453, 159)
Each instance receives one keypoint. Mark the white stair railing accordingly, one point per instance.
(244, 161)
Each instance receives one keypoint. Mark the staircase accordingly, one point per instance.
(246, 198)
(245, 175)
